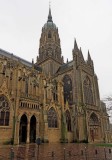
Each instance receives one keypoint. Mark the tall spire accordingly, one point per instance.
(49, 16)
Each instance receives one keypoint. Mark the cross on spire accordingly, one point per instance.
(49, 4)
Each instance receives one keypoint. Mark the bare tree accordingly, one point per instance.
(108, 102)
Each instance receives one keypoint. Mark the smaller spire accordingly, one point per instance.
(81, 54)
(89, 60)
(49, 16)
(75, 45)
(32, 63)
(80, 50)
(89, 57)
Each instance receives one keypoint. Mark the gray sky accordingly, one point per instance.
(89, 21)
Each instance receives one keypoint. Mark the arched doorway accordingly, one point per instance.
(23, 129)
(94, 127)
(32, 129)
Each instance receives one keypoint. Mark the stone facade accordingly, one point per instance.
(53, 100)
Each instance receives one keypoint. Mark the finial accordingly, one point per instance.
(89, 60)
(32, 61)
(75, 44)
(81, 54)
(80, 49)
(89, 57)
(49, 16)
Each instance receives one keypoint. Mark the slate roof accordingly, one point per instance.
(6, 54)
(65, 66)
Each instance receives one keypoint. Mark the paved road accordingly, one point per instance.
(55, 151)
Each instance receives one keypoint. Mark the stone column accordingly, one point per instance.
(16, 137)
(28, 132)
(37, 130)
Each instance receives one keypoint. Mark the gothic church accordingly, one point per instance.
(50, 99)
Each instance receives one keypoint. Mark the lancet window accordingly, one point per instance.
(88, 95)
(52, 118)
(68, 96)
(4, 111)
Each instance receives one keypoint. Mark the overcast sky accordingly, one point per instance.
(89, 21)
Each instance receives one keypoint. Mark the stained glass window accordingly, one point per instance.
(68, 96)
(88, 95)
(4, 111)
(52, 118)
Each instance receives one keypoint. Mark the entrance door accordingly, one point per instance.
(23, 129)
(92, 134)
(32, 129)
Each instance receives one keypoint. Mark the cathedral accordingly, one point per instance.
(50, 99)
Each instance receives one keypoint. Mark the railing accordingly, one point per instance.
(32, 152)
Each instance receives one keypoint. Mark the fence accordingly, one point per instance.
(69, 153)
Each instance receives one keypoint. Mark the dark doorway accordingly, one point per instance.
(23, 129)
(32, 129)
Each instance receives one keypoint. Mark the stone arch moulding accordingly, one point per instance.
(67, 74)
(36, 116)
(87, 78)
(94, 115)
(4, 91)
(57, 110)
(21, 114)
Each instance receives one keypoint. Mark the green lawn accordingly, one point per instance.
(104, 144)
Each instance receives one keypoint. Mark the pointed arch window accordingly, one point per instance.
(68, 120)
(88, 95)
(52, 118)
(93, 120)
(68, 95)
(4, 111)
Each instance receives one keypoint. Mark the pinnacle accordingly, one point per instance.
(49, 16)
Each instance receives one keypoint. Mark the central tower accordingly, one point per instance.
(49, 58)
